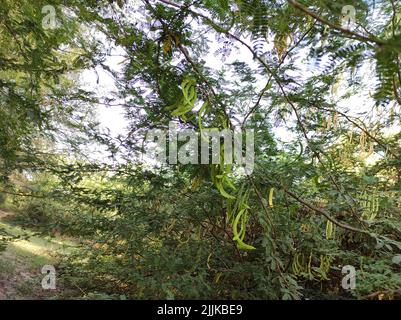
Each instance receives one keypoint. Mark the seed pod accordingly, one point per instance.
(335, 119)
(371, 149)
(271, 197)
(350, 134)
(329, 229)
(328, 123)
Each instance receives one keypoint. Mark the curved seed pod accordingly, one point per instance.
(328, 123)
(240, 243)
(235, 224)
(182, 110)
(295, 268)
(243, 246)
(377, 205)
(271, 197)
(324, 264)
(229, 183)
(190, 96)
(186, 84)
(239, 201)
(329, 229)
(183, 107)
(187, 102)
(350, 134)
(371, 148)
(217, 277)
(188, 91)
(375, 208)
(365, 200)
(371, 202)
(335, 119)
(223, 192)
(244, 220)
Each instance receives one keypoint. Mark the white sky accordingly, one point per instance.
(113, 117)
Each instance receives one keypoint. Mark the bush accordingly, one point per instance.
(3, 198)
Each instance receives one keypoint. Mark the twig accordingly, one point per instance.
(324, 213)
(334, 26)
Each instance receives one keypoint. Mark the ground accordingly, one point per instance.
(21, 263)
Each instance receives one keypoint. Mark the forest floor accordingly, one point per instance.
(22, 261)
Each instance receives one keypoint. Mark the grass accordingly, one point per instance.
(6, 267)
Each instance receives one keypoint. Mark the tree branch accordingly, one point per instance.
(334, 26)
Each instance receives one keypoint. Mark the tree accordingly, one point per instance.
(324, 197)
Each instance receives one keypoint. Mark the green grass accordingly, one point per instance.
(6, 267)
(25, 256)
(35, 249)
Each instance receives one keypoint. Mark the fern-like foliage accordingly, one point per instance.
(386, 70)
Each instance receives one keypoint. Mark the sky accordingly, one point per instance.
(113, 117)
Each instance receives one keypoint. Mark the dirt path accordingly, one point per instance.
(22, 261)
